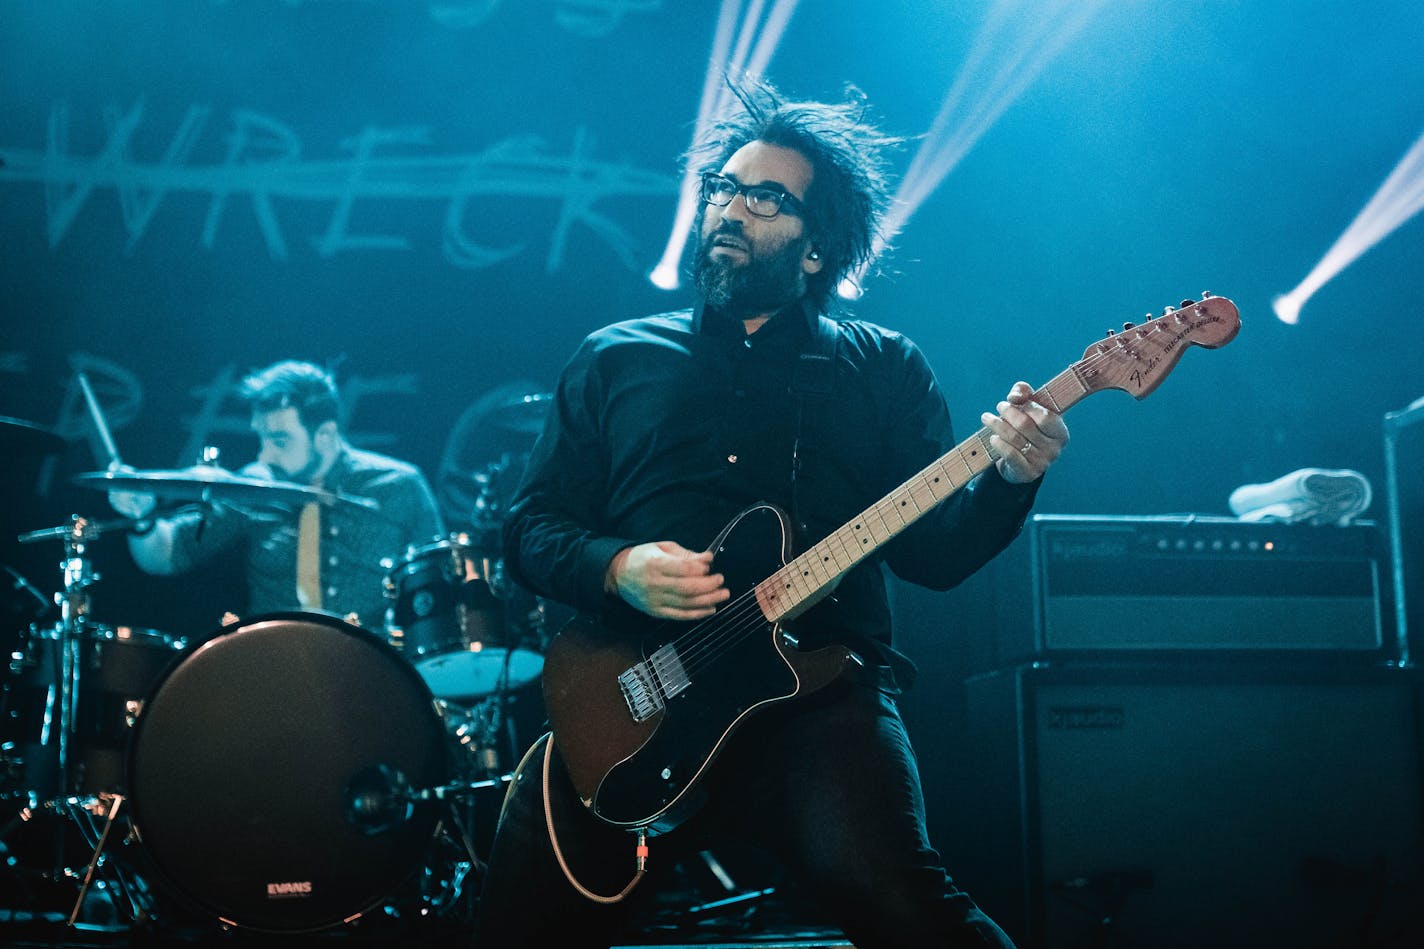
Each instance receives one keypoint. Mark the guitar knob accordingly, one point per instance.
(1128, 326)
(1111, 333)
(1187, 303)
(1168, 310)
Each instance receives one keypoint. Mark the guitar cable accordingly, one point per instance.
(641, 851)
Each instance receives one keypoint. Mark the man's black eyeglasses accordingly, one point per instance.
(761, 200)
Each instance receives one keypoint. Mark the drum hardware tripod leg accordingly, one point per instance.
(114, 806)
(453, 820)
(455, 825)
(74, 610)
(133, 893)
(74, 604)
(460, 871)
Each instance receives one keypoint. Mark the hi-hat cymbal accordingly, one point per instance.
(525, 413)
(206, 483)
(18, 437)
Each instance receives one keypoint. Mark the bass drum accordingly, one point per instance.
(270, 773)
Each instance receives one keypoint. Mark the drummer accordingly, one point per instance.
(305, 556)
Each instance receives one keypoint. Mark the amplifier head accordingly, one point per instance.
(1111, 586)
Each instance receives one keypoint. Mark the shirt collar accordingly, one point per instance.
(802, 309)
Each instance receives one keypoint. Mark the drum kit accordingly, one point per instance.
(291, 772)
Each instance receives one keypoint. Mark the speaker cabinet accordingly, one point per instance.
(1154, 806)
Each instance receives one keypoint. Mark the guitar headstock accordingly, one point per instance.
(1138, 358)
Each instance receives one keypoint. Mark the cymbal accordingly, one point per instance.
(18, 437)
(525, 413)
(206, 483)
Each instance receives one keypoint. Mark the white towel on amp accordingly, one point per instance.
(1314, 495)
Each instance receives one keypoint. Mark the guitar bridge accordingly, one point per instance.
(640, 691)
(647, 686)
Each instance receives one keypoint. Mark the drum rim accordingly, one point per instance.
(187, 894)
(109, 633)
(447, 543)
(418, 559)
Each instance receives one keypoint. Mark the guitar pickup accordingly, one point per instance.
(647, 686)
(667, 666)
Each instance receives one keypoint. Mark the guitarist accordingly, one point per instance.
(663, 430)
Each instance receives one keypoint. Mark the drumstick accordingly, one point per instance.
(100, 425)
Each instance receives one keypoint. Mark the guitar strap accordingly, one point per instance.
(813, 379)
(812, 382)
(815, 366)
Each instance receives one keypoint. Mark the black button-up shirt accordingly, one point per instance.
(666, 427)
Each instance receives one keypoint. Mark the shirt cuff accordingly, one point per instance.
(593, 567)
(993, 489)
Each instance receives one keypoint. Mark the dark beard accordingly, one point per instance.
(761, 285)
(306, 476)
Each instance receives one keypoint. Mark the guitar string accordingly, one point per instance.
(743, 615)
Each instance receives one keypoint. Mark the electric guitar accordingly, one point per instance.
(638, 722)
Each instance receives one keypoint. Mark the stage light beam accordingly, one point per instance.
(756, 41)
(1397, 200)
(1016, 43)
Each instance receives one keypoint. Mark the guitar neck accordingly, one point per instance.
(803, 581)
(1135, 362)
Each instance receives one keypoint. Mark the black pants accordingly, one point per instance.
(827, 785)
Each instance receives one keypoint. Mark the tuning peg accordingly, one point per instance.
(1186, 303)
(1168, 310)
(1111, 333)
(1206, 294)
(1128, 326)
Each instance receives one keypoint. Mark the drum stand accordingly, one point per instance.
(76, 811)
(474, 730)
(133, 892)
(452, 888)
(381, 798)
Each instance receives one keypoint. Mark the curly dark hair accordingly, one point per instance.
(307, 387)
(850, 187)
